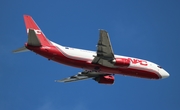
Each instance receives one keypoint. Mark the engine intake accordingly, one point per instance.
(108, 79)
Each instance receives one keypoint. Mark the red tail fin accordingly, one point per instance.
(31, 25)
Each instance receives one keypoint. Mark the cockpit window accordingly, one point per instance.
(66, 47)
(159, 66)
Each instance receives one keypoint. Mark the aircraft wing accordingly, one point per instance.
(105, 53)
(81, 76)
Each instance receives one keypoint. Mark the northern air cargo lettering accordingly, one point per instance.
(137, 61)
(36, 31)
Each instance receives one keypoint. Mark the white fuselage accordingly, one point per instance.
(88, 56)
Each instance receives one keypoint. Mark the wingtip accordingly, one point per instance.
(102, 30)
(58, 81)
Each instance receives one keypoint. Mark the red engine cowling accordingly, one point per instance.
(121, 62)
(108, 79)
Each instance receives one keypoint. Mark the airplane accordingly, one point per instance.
(100, 65)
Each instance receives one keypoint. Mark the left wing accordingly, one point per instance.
(81, 76)
(105, 54)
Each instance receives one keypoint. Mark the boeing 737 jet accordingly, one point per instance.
(100, 65)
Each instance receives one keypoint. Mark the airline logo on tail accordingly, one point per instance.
(36, 31)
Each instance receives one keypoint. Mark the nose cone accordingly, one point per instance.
(163, 73)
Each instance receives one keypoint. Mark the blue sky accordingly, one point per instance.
(147, 29)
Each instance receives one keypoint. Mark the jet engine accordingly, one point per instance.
(108, 79)
(121, 62)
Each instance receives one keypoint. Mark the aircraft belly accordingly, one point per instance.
(140, 71)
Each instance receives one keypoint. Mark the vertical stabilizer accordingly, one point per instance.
(35, 35)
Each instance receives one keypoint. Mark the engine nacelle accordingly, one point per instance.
(121, 62)
(108, 79)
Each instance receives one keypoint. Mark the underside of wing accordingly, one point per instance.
(104, 48)
(97, 76)
(105, 54)
(80, 76)
(74, 78)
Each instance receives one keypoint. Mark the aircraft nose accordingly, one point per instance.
(163, 73)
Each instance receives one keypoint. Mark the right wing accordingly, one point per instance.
(81, 76)
(105, 54)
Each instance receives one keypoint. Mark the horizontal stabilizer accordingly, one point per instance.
(32, 38)
(22, 49)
